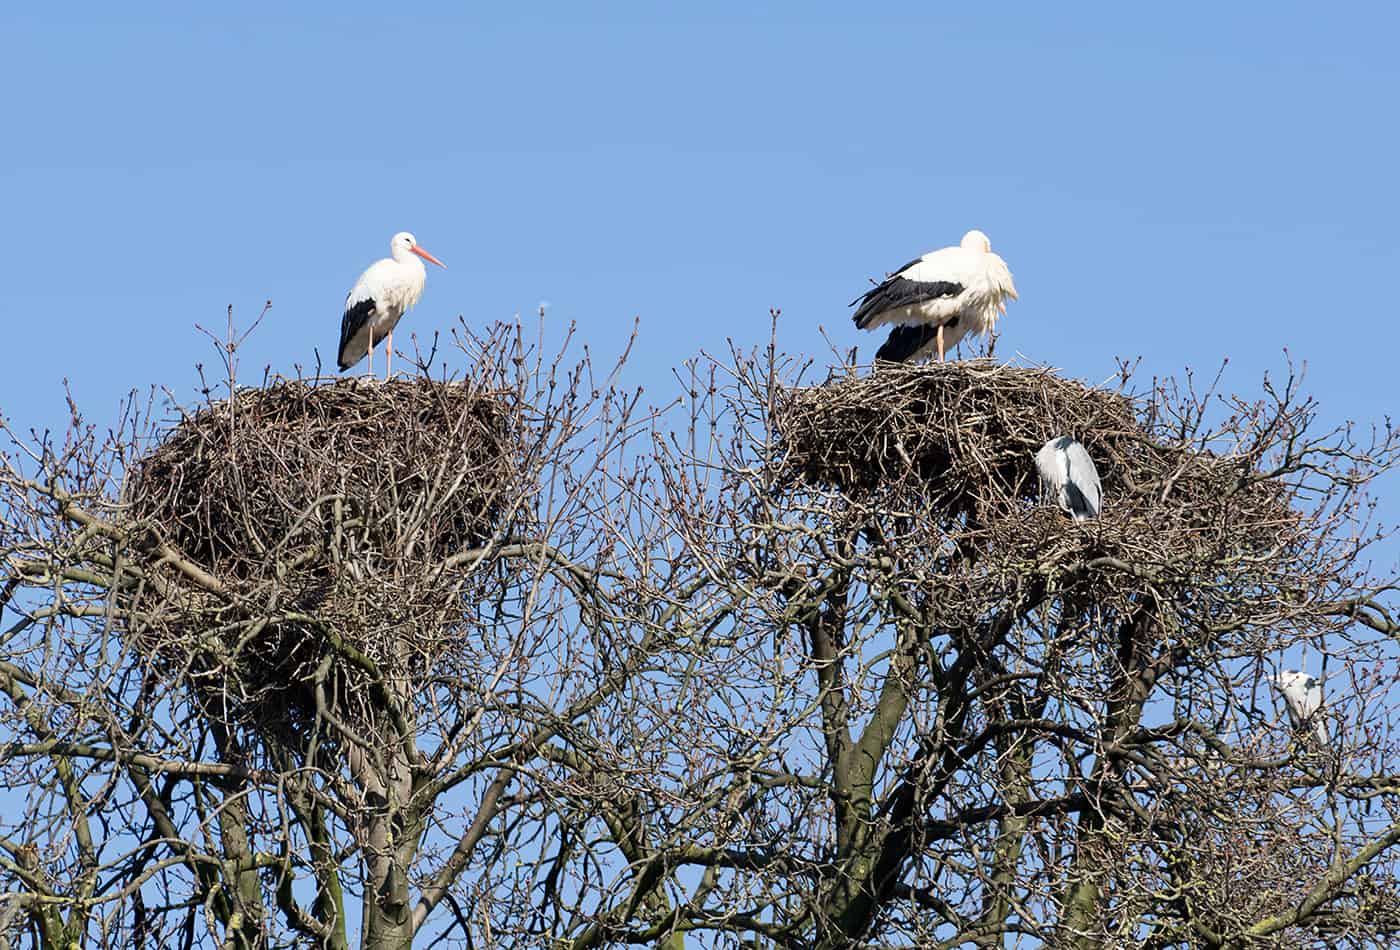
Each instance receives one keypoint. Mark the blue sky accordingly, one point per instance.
(1183, 183)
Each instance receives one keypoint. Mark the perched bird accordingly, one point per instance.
(1302, 695)
(1068, 473)
(380, 298)
(938, 299)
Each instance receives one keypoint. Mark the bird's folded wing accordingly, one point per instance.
(900, 292)
(1079, 503)
(357, 314)
(904, 342)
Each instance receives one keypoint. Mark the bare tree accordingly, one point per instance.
(301, 651)
(509, 661)
(924, 709)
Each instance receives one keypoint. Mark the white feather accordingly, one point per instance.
(1302, 697)
(986, 283)
(394, 284)
(1068, 473)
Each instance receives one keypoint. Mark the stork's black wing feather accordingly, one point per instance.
(904, 341)
(356, 316)
(892, 275)
(900, 270)
(900, 292)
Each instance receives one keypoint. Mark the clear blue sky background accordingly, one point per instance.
(1183, 183)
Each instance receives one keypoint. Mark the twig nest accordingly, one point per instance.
(308, 527)
(965, 428)
(942, 459)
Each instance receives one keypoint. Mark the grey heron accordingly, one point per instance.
(1302, 696)
(1068, 473)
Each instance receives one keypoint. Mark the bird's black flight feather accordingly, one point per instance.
(904, 342)
(356, 316)
(900, 292)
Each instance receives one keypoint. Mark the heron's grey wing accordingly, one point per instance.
(1312, 693)
(1077, 504)
(1084, 477)
(1292, 706)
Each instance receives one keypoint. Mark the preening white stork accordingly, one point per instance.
(938, 299)
(1068, 474)
(380, 298)
(1302, 696)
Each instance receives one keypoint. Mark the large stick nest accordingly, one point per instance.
(962, 427)
(952, 448)
(310, 526)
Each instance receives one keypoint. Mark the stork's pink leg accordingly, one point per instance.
(940, 343)
(389, 356)
(370, 370)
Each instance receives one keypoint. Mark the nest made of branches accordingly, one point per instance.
(309, 527)
(961, 426)
(952, 446)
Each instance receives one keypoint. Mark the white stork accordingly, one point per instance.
(1302, 696)
(1068, 474)
(380, 298)
(938, 299)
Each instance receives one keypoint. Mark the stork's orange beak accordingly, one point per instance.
(426, 256)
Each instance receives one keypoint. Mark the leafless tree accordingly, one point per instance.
(509, 661)
(299, 651)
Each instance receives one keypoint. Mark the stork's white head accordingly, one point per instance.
(975, 240)
(405, 243)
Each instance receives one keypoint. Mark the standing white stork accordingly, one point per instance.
(1302, 696)
(1068, 473)
(380, 298)
(938, 299)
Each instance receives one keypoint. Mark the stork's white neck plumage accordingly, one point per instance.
(407, 258)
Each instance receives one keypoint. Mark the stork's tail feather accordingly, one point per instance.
(904, 342)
